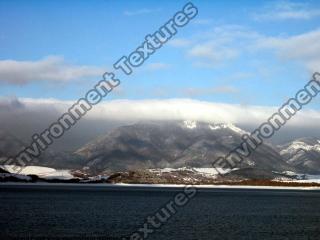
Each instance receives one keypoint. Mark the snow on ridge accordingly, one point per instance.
(216, 127)
(190, 124)
(236, 129)
(299, 145)
(227, 125)
(193, 124)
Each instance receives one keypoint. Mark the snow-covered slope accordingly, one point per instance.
(303, 154)
(43, 172)
(173, 144)
(301, 144)
(219, 126)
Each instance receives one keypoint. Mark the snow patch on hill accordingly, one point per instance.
(43, 172)
(236, 129)
(202, 171)
(190, 124)
(299, 145)
(215, 127)
(229, 126)
(194, 124)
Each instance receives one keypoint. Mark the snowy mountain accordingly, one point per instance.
(173, 144)
(303, 154)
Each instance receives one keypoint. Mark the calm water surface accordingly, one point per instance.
(96, 212)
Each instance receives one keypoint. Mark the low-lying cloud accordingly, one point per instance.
(23, 117)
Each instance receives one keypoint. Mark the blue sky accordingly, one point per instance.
(234, 52)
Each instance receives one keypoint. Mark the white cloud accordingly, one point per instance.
(304, 48)
(180, 42)
(140, 11)
(170, 109)
(211, 54)
(195, 92)
(225, 44)
(157, 66)
(287, 10)
(24, 117)
(217, 46)
(202, 21)
(51, 68)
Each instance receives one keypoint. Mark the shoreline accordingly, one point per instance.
(159, 186)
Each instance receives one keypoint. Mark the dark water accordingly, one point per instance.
(91, 212)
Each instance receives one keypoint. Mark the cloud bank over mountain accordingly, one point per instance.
(26, 116)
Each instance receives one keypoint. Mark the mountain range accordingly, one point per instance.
(175, 144)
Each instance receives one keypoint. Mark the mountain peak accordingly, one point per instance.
(160, 144)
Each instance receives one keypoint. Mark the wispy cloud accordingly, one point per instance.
(287, 10)
(180, 42)
(303, 48)
(141, 11)
(156, 66)
(196, 92)
(220, 45)
(47, 69)
(211, 54)
(202, 21)
(226, 44)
